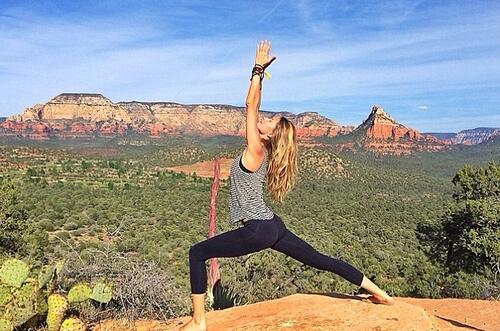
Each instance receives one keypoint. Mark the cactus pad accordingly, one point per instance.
(5, 294)
(102, 292)
(5, 325)
(59, 266)
(72, 324)
(28, 290)
(14, 272)
(79, 292)
(45, 275)
(41, 303)
(57, 305)
(22, 307)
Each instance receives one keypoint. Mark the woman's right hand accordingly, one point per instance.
(262, 54)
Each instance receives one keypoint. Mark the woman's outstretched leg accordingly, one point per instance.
(300, 250)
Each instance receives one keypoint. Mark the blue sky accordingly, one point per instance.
(433, 65)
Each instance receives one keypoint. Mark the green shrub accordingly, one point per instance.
(70, 226)
(46, 225)
(464, 285)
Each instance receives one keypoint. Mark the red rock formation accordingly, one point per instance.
(40, 128)
(381, 126)
(87, 115)
(380, 133)
(30, 129)
(113, 128)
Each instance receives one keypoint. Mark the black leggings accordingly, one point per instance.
(257, 235)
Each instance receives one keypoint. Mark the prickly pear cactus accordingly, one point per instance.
(79, 292)
(73, 324)
(41, 303)
(22, 307)
(46, 274)
(14, 272)
(57, 308)
(5, 294)
(102, 292)
(5, 325)
(25, 297)
(59, 266)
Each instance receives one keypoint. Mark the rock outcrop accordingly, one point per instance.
(381, 126)
(338, 312)
(468, 137)
(71, 115)
(493, 139)
(475, 136)
(381, 133)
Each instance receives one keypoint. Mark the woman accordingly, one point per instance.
(271, 153)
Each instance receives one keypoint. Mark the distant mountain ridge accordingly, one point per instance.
(442, 135)
(91, 115)
(70, 115)
(469, 137)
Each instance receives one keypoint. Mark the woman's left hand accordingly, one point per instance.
(262, 54)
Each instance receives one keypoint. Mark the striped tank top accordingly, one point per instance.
(246, 190)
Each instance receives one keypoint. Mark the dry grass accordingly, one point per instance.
(140, 289)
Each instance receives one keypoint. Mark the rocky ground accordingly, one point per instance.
(339, 312)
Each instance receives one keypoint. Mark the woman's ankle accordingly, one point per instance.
(199, 320)
(369, 286)
(198, 307)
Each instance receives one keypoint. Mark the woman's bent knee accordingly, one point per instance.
(195, 252)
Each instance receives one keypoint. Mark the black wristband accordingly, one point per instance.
(257, 70)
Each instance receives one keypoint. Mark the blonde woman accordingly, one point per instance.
(271, 156)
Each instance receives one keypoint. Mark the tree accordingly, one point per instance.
(11, 220)
(18, 235)
(470, 232)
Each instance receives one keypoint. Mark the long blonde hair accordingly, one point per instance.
(282, 168)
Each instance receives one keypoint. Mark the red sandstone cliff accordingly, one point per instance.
(381, 133)
(381, 126)
(71, 115)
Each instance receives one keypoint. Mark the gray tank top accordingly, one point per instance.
(245, 192)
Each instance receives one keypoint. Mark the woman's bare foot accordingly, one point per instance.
(198, 321)
(384, 300)
(377, 295)
(192, 325)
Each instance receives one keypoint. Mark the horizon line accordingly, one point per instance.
(231, 105)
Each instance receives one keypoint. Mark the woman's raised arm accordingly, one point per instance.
(262, 61)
